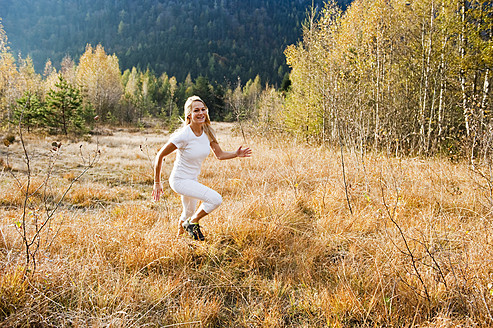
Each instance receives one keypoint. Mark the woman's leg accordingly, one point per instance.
(189, 206)
(211, 199)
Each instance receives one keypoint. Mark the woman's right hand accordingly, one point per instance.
(158, 191)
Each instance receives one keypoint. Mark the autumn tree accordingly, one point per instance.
(475, 61)
(69, 70)
(17, 78)
(252, 92)
(50, 76)
(402, 76)
(28, 79)
(4, 44)
(270, 112)
(132, 92)
(309, 105)
(8, 79)
(242, 101)
(99, 77)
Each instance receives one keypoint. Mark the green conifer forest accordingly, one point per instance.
(221, 39)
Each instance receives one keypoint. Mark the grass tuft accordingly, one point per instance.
(283, 250)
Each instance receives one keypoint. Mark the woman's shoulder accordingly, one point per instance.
(183, 130)
(181, 133)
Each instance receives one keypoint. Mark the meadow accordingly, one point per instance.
(307, 236)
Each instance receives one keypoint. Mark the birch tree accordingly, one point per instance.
(99, 76)
(8, 79)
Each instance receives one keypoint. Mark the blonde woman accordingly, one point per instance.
(193, 142)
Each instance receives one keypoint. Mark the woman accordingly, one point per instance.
(193, 141)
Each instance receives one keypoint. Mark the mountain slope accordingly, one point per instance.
(221, 39)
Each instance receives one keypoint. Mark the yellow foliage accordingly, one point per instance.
(99, 75)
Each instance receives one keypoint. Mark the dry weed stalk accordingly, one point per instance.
(39, 202)
(391, 213)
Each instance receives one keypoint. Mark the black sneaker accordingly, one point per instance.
(199, 233)
(193, 230)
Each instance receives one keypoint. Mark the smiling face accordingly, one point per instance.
(199, 113)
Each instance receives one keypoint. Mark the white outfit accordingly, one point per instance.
(192, 151)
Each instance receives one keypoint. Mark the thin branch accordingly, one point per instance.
(344, 170)
(391, 214)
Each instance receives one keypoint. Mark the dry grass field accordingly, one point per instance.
(392, 242)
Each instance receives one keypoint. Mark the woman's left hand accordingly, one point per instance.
(157, 191)
(243, 152)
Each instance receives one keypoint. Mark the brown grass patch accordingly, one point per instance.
(283, 250)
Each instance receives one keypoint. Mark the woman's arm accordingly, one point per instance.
(158, 163)
(221, 154)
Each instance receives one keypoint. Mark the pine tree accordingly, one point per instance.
(65, 109)
(29, 111)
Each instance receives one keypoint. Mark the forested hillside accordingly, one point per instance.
(221, 39)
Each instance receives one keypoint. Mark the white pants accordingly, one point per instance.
(191, 192)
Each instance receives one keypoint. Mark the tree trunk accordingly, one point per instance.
(465, 110)
(427, 84)
(443, 84)
(486, 90)
(484, 104)
(377, 96)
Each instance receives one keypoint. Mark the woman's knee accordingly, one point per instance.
(213, 202)
(218, 200)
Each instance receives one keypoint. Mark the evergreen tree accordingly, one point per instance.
(29, 112)
(286, 83)
(203, 89)
(65, 110)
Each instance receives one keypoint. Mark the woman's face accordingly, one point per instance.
(199, 113)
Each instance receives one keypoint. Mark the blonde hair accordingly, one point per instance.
(209, 131)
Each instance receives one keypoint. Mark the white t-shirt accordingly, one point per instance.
(192, 151)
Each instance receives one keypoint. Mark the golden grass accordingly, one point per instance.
(283, 250)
